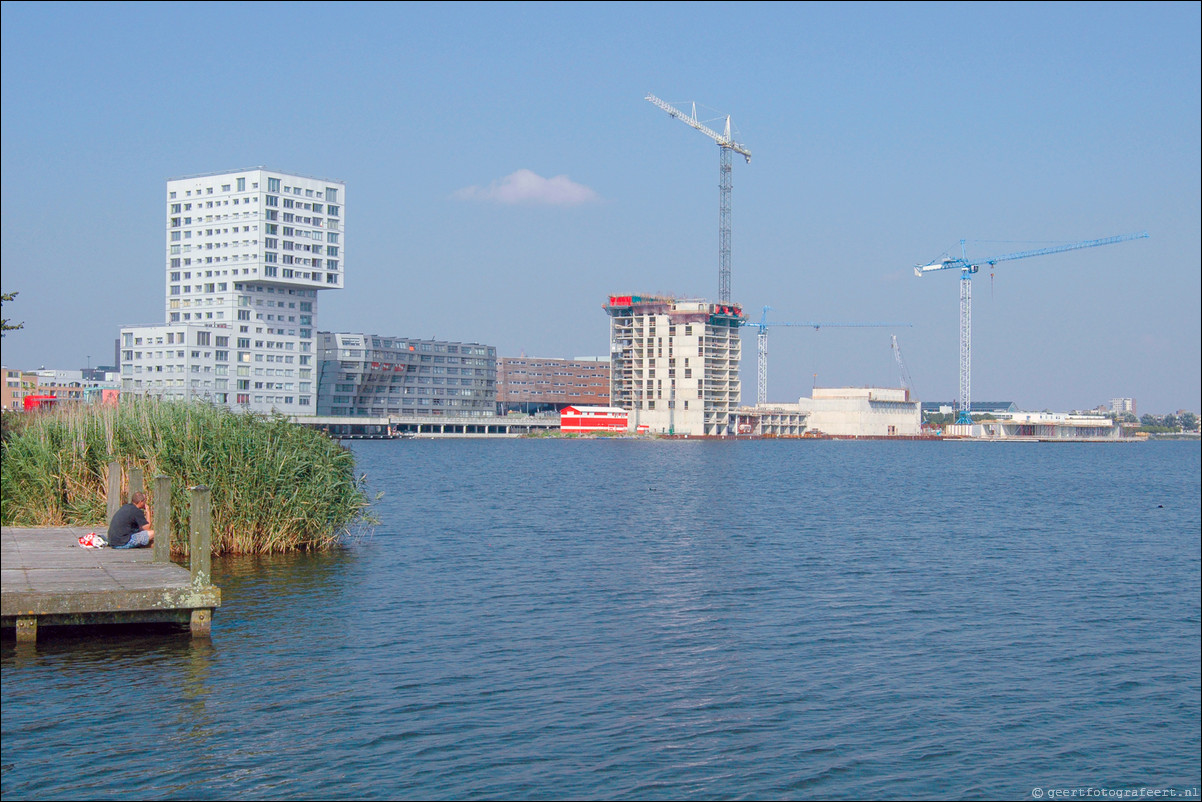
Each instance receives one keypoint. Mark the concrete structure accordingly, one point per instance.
(770, 420)
(861, 412)
(370, 375)
(587, 420)
(531, 385)
(246, 253)
(674, 364)
(1042, 426)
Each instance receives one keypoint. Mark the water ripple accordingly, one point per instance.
(635, 620)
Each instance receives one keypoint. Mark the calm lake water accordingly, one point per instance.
(634, 620)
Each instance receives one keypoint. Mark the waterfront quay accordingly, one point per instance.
(434, 426)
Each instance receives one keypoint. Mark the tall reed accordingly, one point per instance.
(276, 486)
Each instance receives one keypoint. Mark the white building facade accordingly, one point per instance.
(246, 254)
(861, 412)
(674, 364)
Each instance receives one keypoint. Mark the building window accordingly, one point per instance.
(241, 184)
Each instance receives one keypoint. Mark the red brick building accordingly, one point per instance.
(530, 385)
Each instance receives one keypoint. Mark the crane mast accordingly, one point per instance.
(903, 373)
(726, 145)
(967, 268)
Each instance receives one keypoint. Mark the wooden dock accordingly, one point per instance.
(48, 579)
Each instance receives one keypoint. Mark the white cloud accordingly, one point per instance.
(526, 186)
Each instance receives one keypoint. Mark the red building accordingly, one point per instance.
(584, 420)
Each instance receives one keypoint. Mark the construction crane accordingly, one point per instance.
(761, 387)
(967, 268)
(903, 374)
(726, 145)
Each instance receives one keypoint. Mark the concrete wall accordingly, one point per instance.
(862, 412)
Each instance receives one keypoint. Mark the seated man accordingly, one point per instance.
(129, 528)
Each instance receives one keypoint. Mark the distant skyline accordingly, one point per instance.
(504, 175)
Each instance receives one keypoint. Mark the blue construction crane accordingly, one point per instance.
(967, 268)
(761, 387)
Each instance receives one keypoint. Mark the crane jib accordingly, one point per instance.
(967, 268)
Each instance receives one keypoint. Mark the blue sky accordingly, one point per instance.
(505, 174)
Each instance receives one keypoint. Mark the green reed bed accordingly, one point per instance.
(276, 486)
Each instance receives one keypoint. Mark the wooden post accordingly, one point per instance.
(136, 484)
(200, 543)
(201, 623)
(162, 519)
(114, 493)
(27, 629)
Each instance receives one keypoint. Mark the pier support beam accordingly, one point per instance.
(27, 630)
(201, 623)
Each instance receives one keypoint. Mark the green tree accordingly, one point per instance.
(5, 326)
(1170, 421)
(1189, 422)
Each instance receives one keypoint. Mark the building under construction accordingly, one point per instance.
(674, 364)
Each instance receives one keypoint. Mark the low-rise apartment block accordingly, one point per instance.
(376, 376)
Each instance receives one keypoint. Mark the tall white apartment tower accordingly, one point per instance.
(246, 253)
